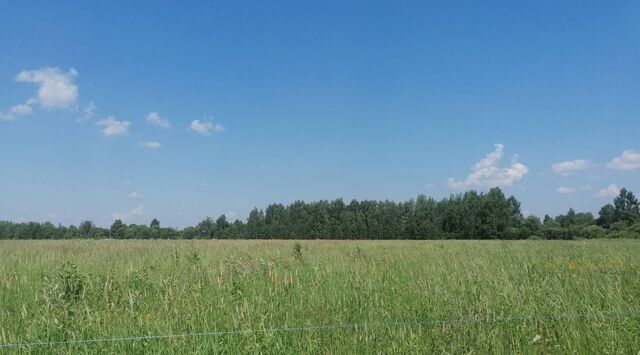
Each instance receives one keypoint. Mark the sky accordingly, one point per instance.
(179, 111)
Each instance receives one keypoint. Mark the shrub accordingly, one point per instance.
(297, 251)
(619, 226)
(512, 233)
(622, 235)
(634, 230)
(593, 232)
(555, 232)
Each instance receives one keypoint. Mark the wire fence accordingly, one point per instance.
(357, 326)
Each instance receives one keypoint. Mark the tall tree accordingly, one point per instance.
(118, 229)
(607, 216)
(85, 228)
(206, 228)
(626, 206)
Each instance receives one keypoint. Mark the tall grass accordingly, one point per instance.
(69, 290)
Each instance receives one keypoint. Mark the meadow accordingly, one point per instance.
(328, 297)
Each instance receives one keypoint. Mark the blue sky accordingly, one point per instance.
(161, 109)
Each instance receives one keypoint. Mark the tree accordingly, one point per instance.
(567, 220)
(627, 208)
(155, 223)
(607, 216)
(256, 224)
(189, 233)
(275, 218)
(221, 226)
(531, 226)
(85, 228)
(206, 228)
(118, 229)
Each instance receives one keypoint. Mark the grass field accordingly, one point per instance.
(67, 290)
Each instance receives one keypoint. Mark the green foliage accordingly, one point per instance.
(634, 230)
(297, 250)
(118, 229)
(607, 216)
(627, 208)
(470, 215)
(593, 232)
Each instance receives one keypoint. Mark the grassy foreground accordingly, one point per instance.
(57, 290)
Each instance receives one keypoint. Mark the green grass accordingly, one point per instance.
(56, 290)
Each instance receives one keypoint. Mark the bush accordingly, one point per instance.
(626, 234)
(593, 232)
(512, 233)
(622, 230)
(634, 230)
(555, 232)
(619, 226)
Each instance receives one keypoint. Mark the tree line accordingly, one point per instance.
(469, 215)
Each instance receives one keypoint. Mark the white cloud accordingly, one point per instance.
(136, 212)
(629, 160)
(17, 110)
(231, 216)
(486, 172)
(7, 116)
(566, 190)
(56, 88)
(204, 127)
(88, 111)
(135, 194)
(113, 127)
(21, 109)
(118, 215)
(151, 145)
(155, 119)
(566, 168)
(610, 191)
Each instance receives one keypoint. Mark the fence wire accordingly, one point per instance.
(313, 328)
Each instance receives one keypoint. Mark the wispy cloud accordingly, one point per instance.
(135, 194)
(155, 119)
(21, 109)
(150, 145)
(566, 168)
(7, 116)
(136, 212)
(113, 127)
(205, 128)
(566, 190)
(629, 160)
(87, 111)
(610, 191)
(487, 173)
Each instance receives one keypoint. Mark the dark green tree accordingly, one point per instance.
(118, 229)
(626, 206)
(85, 228)
(607, 216)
